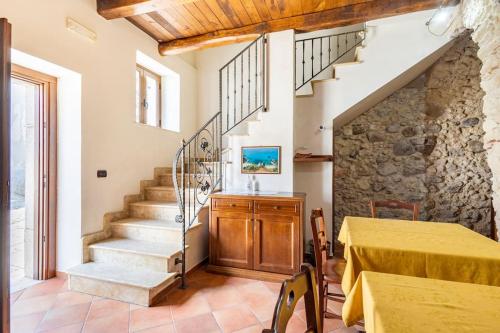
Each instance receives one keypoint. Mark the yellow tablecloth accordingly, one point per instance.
(397, 303)
(442, 251)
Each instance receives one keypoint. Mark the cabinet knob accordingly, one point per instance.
(232, 205)
(276, 207)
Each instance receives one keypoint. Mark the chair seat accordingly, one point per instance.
(334, 270)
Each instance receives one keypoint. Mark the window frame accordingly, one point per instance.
(144, 73)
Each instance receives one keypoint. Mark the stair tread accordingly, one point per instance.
(124, 275)
(172, 204)
(137, 222)
(161, 188)
(137, 246)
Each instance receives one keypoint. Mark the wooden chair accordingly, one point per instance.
(394, 204)
(328, 270)
(301, 284)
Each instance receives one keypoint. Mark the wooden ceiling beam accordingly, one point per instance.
(326, 19)
(112, 9)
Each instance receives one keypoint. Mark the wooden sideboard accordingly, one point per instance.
(256, 235)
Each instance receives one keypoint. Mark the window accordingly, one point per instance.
(157, 94)
(148, 97)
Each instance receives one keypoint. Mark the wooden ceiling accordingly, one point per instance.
(183, 25)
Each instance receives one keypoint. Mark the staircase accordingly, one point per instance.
(144, 249)
(134, 259)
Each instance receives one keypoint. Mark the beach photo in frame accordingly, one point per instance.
(261, 160)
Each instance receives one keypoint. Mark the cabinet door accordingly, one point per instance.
(276, 243)
(231, 239)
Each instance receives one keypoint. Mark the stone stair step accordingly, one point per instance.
(160, 231)
(120, 283)
(137, 254)
(150, 209)
(167, 178)
(160, 193)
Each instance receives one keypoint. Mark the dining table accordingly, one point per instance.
(436, 250)
(392, 303)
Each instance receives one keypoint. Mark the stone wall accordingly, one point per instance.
(421, 144)
(483, 17)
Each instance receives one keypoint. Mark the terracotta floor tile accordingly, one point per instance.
(263, 308)
(32, 305)
(27, 323)
(296, 325)
(235, 318)
(150, 317)
(335, 307)
(205, 323)
(237, 281)
(222, 297)
(274, 287)
(118, 323)
(178, 296)
(252, 329)
(330, 324)
(69, 298)
(199, 274)
(160, 329)
(257, 287)
(190, 307)
(64, 316)
(51, 286)
(75, 328)
(106, 307)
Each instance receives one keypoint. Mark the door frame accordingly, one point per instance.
(5, 68)
(44, 239)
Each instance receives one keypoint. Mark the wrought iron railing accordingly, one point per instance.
(242, 85)
(314, 55)
(197, 169)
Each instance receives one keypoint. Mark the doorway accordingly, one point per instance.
(32, 177)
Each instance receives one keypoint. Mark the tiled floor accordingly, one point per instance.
(211, 303)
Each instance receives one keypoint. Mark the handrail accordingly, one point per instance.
(198, 162)
(338, 45)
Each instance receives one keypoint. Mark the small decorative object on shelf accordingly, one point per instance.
(299, 157)
(255, 184)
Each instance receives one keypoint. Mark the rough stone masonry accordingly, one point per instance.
(424, 143)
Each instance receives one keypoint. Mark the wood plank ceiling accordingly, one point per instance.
(182, 25)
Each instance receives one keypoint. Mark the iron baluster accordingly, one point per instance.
(321, 54)
(256, 65)
(303, 62)
(241, 95)
(312, 57)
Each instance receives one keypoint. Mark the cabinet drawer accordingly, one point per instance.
(232, 204)
(277, 207)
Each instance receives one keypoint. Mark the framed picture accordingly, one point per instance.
(261, 160)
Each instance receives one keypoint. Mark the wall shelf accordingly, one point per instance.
(313, 158)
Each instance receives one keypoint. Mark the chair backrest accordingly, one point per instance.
(318, 228)
(394, 204)
(292, 290)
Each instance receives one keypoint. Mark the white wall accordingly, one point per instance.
(110, 138)
(208, 62)
(276, 125)
(393, 46)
